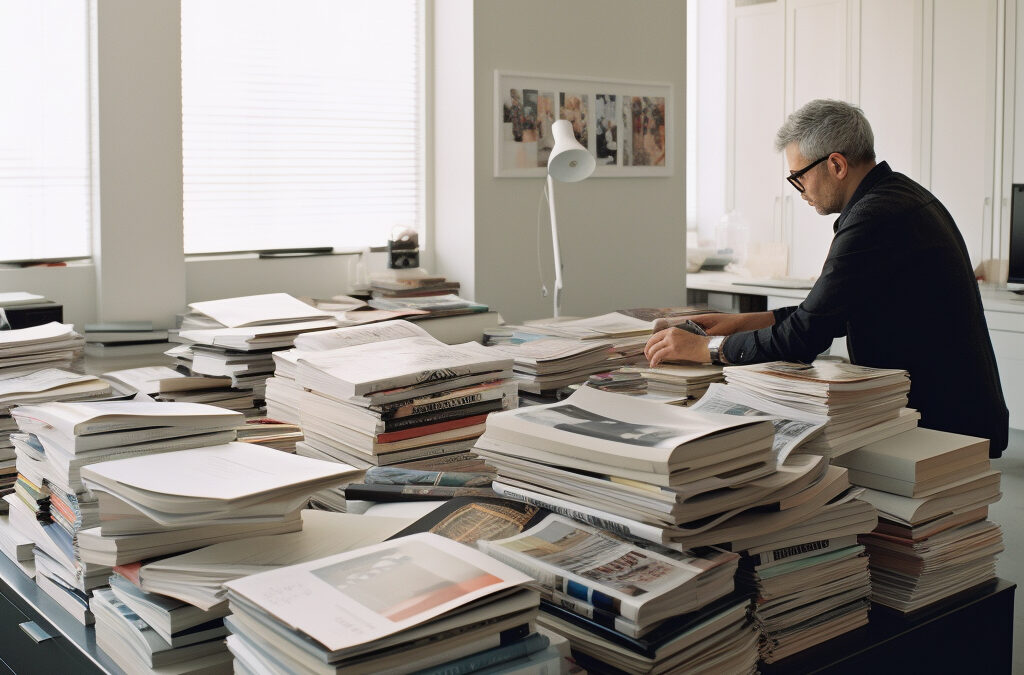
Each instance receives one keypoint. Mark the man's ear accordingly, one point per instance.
(838, 166)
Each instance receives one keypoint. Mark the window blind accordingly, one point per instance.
(301, 123)
(45, 191)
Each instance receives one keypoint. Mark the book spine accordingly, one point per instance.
(793, 552)
(428, 429)
(411, 493)
(619, 525)
(445, 415)
(604, 617)
(442, 401)
(509, 652)
(385, 475)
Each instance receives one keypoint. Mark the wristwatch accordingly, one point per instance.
(715, 349)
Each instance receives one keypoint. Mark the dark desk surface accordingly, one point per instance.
(970, 632)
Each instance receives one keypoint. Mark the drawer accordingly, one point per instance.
(1007, 321)
(23, 655)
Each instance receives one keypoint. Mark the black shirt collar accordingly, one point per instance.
(879, 172)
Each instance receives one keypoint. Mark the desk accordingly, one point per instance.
(72, 650)
(970, 632)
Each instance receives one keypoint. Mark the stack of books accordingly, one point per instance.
(411, 286)
(400, 484)
(52, 506)
(160, 504)
(544, 364)
(402, 606)
(389, 401)
(658, 473)
(270, 433)
(810, 581)
(167, 384)
(236, 337)
(682, 380)
(16, 546)
(862, 404)
(51, 345)
(49, 384)
(932, 490)
(124, 338)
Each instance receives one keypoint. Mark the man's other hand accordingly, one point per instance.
(674, 344)
(720, 323)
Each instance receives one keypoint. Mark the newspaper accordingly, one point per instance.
(792, 427)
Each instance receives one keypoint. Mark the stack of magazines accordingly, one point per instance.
(171, 610)
(52, 506)
(544, 363)
(49, 384)
(810, 581)
(160, 504)
(167, 384)
(393, 395)
(862, 404)
(932, 490)
(236, 337)
(52, 345)
(402, 606)
(660, 473)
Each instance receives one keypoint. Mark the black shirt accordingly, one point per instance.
(898, 283)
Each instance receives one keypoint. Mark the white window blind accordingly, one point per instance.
(301, 122)
(45, 192)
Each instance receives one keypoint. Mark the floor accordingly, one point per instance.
(1009, 514)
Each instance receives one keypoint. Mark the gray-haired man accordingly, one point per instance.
(897, 282)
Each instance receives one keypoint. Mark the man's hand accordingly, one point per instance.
(674, 344)
(721, 324)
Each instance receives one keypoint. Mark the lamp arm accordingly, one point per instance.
(554, 248)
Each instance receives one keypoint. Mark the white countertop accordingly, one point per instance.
(995, 299)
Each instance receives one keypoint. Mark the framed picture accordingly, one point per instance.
(625, 125)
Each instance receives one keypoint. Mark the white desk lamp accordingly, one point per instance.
(569, 162)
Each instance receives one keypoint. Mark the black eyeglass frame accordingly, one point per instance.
(794, 176)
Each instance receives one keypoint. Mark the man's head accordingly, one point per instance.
(829, 148)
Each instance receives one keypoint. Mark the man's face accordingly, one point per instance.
(821, 189)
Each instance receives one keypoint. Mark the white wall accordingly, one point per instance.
(623, 239)
(710, 113)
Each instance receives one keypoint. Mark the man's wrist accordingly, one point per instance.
(716, 352)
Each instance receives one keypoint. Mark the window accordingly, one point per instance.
(301, 123)
(45, 190)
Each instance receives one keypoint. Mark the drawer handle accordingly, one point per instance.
(33, 630)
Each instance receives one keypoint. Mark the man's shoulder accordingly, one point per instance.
(894, 195)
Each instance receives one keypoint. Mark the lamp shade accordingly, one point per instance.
(569, 161)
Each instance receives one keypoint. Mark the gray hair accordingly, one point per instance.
(824, 126)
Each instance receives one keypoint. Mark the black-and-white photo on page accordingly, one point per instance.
(576, 420)
(607, 128)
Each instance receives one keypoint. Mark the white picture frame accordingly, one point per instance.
(526, 104)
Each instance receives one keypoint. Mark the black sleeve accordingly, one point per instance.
(848, 279)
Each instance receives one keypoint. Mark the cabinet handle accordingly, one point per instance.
(32, 629)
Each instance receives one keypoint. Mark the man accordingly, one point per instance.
(897, 282)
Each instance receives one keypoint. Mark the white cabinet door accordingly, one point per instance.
(883, 80)
(963, 113)
(817, 67)
(756, 110)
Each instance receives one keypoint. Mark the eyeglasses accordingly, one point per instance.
(794, 176)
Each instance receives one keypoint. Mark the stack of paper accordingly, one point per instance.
(810, 581)
(932, 490)
(862, 404)
(547, 363)
(690, 381)
(394, 395)
(51, 505)
(124, 338)
(434, 305)
(26, 350)
(49, 384)
(167, 503)
(399, 607)
(410, 286)
(659, 473)
(167, 384)
(16, 546)
(236, 337)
